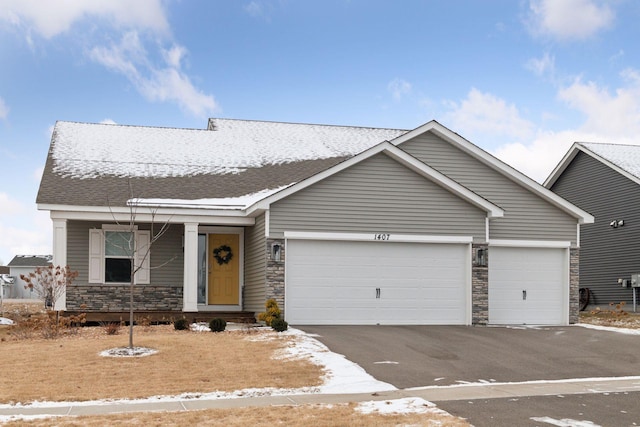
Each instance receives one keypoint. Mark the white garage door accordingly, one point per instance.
(528, 286)
(360, 283)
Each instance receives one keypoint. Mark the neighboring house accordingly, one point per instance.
(604, 179)
(25, 264)
(341, 225)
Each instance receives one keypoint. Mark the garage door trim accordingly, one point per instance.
(368, 237)
(530, 243)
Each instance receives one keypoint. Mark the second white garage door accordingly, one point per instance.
(360, 283)
(528, 286)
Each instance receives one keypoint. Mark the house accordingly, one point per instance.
(604, 179)
(341, 225)
(24, 264)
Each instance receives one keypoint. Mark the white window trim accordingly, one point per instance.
(97, 253)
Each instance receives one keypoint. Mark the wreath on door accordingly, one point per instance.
(223, 254)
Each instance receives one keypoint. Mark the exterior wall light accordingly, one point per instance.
(276, 252)
(616, 223)
(480, 257)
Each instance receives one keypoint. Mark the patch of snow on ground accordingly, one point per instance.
(565, 422)
(341, 374)
(414, 405)
(200, 327)
(610, 328)
(5, 321)
(128, 352)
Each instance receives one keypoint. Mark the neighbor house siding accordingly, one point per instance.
(377, 195)
(255, 254)
(606, 253)
(526, 217)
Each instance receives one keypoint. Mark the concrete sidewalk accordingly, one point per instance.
(433, 393)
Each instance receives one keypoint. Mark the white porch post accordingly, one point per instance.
(60, 255)
(190, 290)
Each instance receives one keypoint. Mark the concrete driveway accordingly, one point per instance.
(415, 356)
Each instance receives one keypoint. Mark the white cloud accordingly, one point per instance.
(108, 121)
(29, 232)
(398, 88)
(37, 174)
(569, 19)
(9, 206)
(32, 237)
(51, 18)
(4, 110)
(609, 116)
(254, 9)
(614, 114)
(542, 66)
(486, 113)
(156, 83)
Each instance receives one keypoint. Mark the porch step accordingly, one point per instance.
(165, 316)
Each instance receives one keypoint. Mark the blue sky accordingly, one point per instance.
(521, 79)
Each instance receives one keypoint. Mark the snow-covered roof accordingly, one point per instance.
(621, 157)
(88, 150)
(626, 157)
(228, 165)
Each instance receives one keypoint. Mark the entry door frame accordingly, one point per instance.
(226, 230)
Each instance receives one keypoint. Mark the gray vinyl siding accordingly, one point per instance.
(606, 253)
(255, 259)
(78, 248)
(378, 195)
(526, 215)
(166, 253)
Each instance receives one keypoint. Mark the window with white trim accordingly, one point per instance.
(119, 248)
(110, 255)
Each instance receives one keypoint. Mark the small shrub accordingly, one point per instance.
(217, 325)
(279, 325)
(181, 324)
(272, 312)
(111, 328)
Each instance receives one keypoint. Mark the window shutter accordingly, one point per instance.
(143, 256)
(96, 256)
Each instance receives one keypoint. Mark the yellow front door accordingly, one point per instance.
(224, 269)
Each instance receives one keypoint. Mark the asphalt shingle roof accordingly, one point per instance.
(30, 261)
(96, 164)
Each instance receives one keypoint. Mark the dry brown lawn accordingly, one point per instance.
(306, 415)
(69, 368)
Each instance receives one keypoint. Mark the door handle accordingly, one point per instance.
(377, 293)
(524, 295)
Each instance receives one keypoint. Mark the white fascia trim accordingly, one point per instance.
(401, 157)
(139, 210)
(562, 165)
(433, 175)
(530, 243)
(498, 165)
(372, 237)
(125, 217)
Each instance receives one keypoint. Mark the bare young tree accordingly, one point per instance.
(136, 254)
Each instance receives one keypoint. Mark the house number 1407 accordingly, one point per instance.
(381, 236)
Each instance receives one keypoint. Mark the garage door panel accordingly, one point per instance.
(541, 272)
(419, 283)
